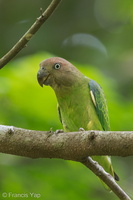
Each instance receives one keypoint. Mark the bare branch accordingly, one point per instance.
(105, 177)
(29, 34)
(76, 146)
(69, 146)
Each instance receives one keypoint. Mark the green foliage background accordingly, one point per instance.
(96, 36)
(25, 104)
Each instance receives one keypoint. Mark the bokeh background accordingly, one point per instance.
(96, 36)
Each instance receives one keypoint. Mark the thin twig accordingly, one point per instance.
(105, 177)
(29, 34)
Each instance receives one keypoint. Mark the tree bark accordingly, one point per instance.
(68, 146)
(76, 146)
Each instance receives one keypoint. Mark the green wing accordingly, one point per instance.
(100, 104)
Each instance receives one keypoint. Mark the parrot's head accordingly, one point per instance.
(57, 72)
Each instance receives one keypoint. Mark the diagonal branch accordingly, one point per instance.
(29, 34)
(105, 177)
(69, 146)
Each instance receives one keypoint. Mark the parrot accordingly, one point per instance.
(81, 100)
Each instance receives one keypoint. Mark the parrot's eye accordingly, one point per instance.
(57, 66)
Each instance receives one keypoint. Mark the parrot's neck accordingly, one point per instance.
(68, 94)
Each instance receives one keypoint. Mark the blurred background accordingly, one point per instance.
(96, 36)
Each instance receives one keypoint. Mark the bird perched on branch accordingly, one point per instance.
(81, 101)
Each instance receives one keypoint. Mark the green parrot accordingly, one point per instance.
(81, 101)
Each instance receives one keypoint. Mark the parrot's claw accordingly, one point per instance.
(50, 132)
(81, 129)
(59, 131)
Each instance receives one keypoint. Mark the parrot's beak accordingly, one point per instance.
(42, 77)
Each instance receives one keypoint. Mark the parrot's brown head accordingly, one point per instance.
(56, 72)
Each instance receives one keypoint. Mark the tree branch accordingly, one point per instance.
(29, 34)
(76, 146)
(69, 146)
(105, 177)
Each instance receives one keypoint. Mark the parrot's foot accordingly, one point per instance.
(81, 129)
(59, 131)
(50, 132)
